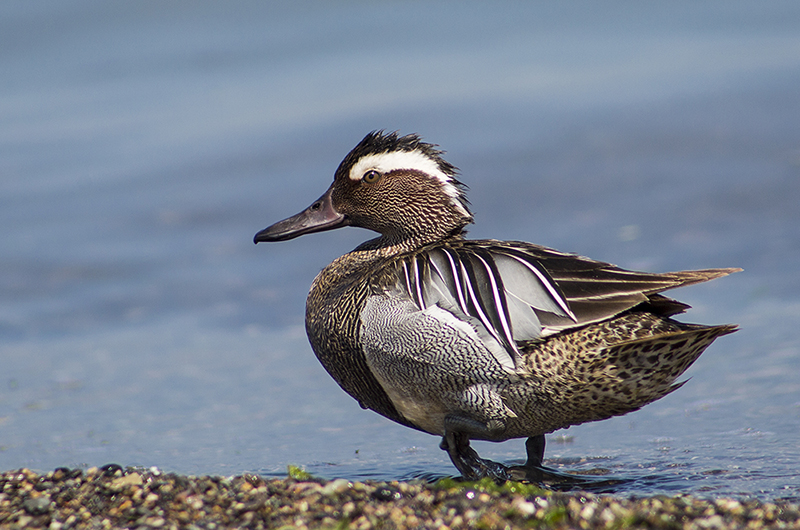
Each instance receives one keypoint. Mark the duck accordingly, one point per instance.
(479, 339)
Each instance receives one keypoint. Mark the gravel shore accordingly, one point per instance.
(112, 497)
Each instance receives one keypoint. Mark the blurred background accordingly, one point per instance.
(142, 145)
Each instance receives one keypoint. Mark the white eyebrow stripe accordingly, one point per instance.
(392, 160)
(414, 160)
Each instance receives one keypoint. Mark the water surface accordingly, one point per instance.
(142, 145)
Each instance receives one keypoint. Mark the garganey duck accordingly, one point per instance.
(479, 339)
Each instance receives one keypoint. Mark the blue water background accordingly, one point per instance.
(142, 144)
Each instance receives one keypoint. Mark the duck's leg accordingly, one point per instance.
(465, 458)
(473, 467)
(535, 448)
(532, 470)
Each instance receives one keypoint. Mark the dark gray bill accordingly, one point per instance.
(318, 217)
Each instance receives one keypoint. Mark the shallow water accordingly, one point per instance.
(142, 145)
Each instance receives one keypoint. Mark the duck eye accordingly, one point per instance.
(371, 176)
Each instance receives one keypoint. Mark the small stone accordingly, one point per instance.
(333, 487)
(132, 479)
(155, 522)
(523, 507)
(111, 470)
(715, 521)
(37, 505)
(60, 473)
(386, 493)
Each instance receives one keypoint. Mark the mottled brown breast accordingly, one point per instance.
(333, 310)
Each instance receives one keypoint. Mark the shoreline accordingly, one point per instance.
(113, 497)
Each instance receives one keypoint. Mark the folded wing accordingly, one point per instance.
(519, 292)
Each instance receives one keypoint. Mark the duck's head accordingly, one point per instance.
(398, 186)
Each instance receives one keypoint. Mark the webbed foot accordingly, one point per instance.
(469, 464)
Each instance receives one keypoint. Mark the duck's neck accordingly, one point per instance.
(391, 245)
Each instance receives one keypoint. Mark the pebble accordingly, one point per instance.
(113, 497)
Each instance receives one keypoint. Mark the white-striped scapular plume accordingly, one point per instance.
(480, 339)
